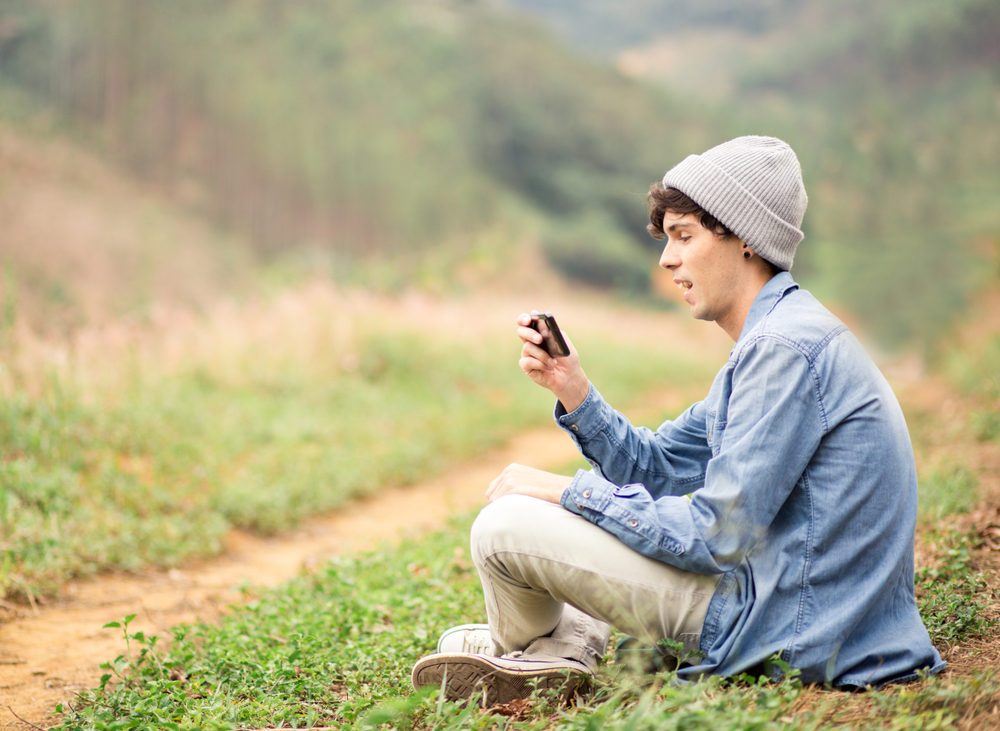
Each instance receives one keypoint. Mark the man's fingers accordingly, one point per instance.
(529, 334)
(531, 350)
(500, 484)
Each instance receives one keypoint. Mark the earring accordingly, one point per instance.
(746, 254)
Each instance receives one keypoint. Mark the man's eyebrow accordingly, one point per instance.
(675, 226)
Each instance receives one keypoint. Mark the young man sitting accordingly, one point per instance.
(774, 518)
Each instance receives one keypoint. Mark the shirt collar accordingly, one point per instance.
(777, 287)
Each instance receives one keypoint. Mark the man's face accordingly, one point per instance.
(709, 270)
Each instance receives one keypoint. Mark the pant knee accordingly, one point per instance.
(497, 525)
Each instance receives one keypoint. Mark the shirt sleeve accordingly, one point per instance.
(766, 431)
(669, 461)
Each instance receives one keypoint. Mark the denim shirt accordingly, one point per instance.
(794, 479)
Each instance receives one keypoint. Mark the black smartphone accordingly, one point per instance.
(552, 337)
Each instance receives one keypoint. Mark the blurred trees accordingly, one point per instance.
(362, 129)
(400, 129)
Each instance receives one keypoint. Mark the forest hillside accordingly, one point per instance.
(391, 143)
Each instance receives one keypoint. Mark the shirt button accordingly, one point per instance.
(586, 493)
(633, 523)
(574, 427)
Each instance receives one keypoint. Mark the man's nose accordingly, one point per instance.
(668, 259)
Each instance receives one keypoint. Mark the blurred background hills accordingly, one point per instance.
(431, 143)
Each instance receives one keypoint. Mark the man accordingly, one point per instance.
(774, 518)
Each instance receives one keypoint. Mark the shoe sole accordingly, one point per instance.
(464, 676)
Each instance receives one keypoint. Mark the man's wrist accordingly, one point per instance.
(574, 394)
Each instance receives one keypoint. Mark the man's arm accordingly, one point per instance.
(670, 461)
(675, 456)
(771, 428)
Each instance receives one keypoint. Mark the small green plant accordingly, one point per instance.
(949, 595)
(123, 666)
(935, 703)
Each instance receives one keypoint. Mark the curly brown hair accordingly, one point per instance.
(660, 200)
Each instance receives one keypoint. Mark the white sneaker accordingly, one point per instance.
(499, 679)
(470, 638)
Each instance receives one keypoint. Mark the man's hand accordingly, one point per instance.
(517, 479)
(563, 376)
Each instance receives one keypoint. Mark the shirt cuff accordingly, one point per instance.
(587, 419)
(586, 493)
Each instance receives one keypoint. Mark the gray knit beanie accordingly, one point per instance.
(753, 185)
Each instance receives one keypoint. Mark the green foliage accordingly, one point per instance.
(896, 41)
(589, 248)
(598, 26)
(380, 130)
(976, 368)
(327, 648)
(986, 425)
(335, 647)
(952, 597)
(160, 468)
(939, 704)
(399, 130)
(892, 110)
(946, 490)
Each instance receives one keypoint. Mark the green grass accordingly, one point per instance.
(156, 464)
(946, 490)
(335, 647)
(953, 596)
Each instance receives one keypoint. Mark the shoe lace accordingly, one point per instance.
(479, 644)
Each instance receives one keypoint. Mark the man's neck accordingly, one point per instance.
(737, 316)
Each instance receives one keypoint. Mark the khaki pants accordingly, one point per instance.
(555, 583)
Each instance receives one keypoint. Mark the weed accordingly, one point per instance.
(948, 595)
(986, 425)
